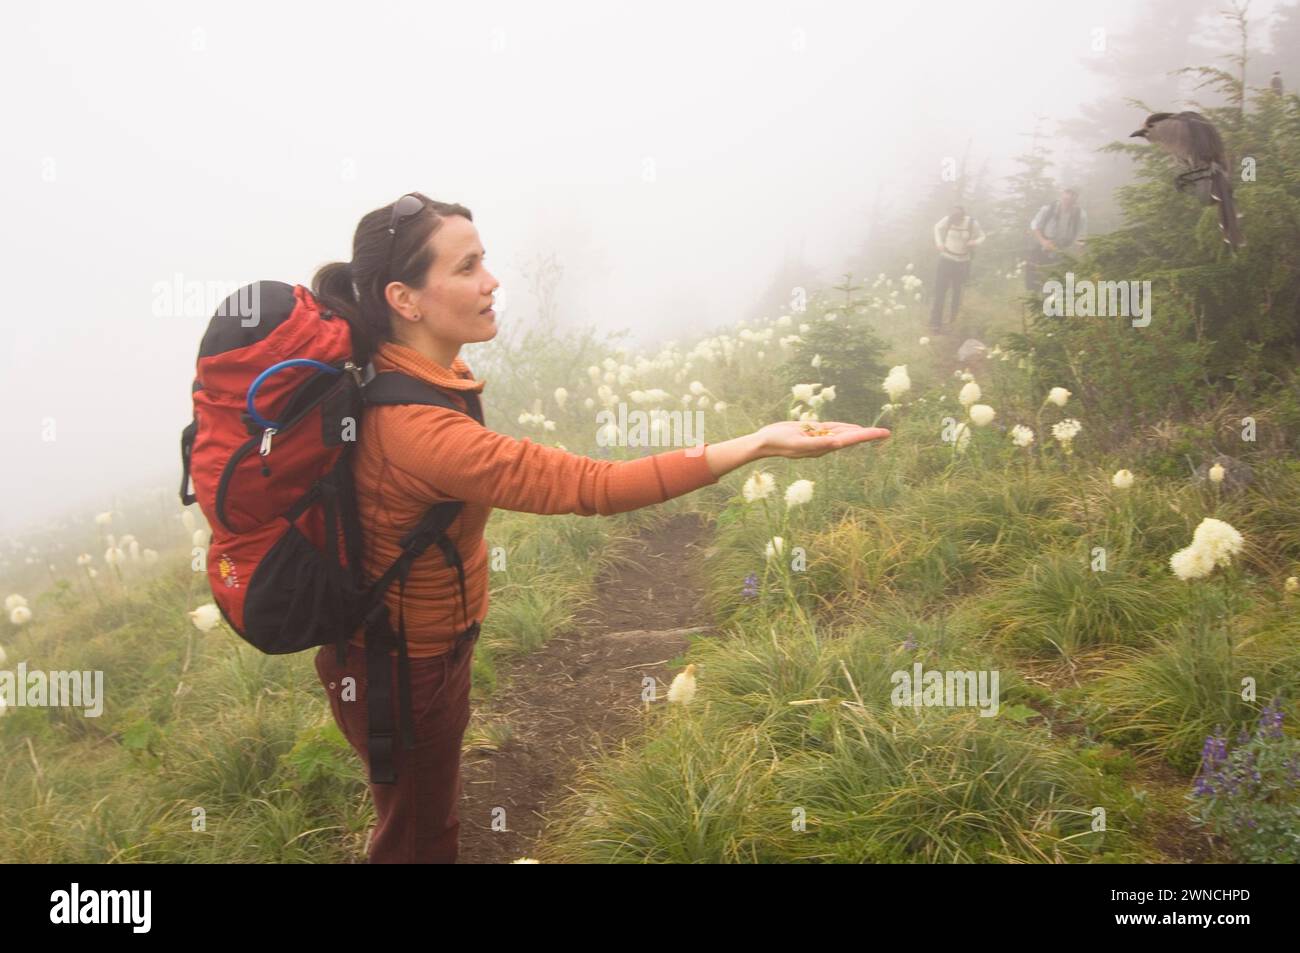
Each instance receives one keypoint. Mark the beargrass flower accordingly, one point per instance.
(682, 690)
(798, 493)
(1220, 538)
(1021, 435)
(759, 486)
(897, 383)
(1214, 543)
(1065, 431)
(205, 617)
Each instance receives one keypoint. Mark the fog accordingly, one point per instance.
(670, 156)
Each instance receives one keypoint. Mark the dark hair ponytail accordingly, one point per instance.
(355, 290)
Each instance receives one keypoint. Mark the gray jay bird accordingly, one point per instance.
(1192, 139)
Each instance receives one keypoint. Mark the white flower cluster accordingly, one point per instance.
(1065, 431)
(527, 419)
(762, 484)
(897, 383)
(1214, 543)
(759, 486)
(19, 612)
(205, 617)
(798, 493)
(804, 394)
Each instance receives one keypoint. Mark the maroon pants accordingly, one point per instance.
(418, 816)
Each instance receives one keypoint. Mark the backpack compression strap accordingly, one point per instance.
(391, 387)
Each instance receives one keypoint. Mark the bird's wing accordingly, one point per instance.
(1204, 140)
(1174, 135)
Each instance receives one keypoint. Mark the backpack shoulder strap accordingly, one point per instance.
(387, 388)
(1052, 211)
(394, 387)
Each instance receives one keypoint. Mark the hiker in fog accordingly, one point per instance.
(417, 291)
(1057, 228)
(955, 235)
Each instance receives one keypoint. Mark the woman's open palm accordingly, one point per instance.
(796, 438)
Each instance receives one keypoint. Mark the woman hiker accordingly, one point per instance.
(421, 290)
(955, 237)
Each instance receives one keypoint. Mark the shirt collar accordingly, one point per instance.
(392, 356)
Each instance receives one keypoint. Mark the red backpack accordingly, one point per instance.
(280, 388)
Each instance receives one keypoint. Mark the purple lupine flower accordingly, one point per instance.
(910, 644)
(1211, 779)
(751, 585)
(1270, 721)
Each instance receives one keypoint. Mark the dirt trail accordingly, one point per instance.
(581, 689)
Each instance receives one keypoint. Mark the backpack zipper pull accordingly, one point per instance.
(265, 450)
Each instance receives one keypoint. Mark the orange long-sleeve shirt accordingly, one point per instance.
(411, 456)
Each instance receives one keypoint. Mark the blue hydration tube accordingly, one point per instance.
(257, 382)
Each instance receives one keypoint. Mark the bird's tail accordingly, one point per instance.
(1221, 192)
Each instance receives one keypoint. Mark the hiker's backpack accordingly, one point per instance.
(971, 225)
(281, 386)
(1053, 213)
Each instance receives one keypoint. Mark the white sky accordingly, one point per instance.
(237, 141)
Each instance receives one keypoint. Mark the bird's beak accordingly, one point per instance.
(1140, 132)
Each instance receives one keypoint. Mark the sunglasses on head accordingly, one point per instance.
(407, 206)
